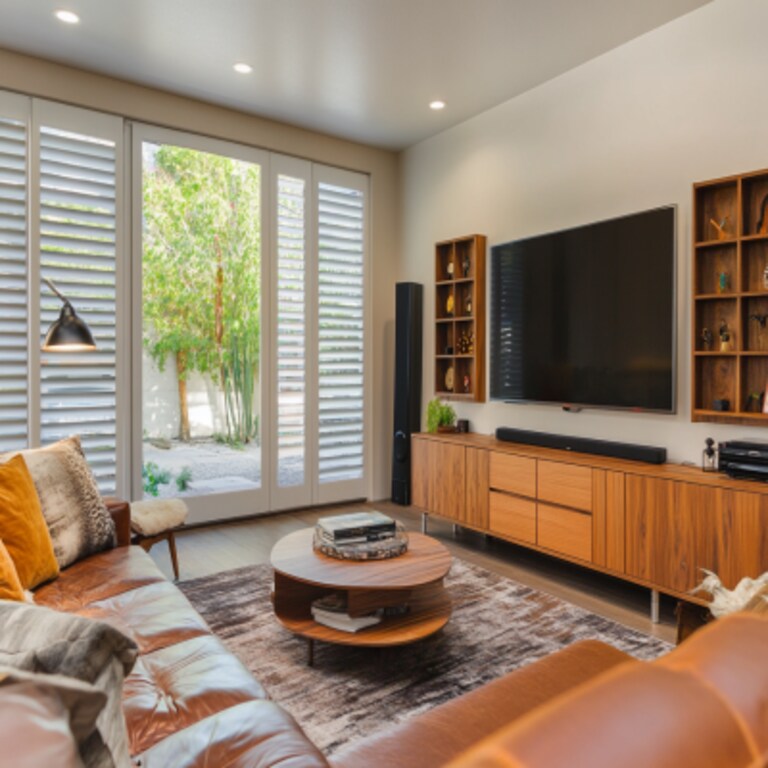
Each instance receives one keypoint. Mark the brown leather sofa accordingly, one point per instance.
(188, 701)
(704, 704)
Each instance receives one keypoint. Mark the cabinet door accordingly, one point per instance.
(438, 477)
(661, 521)
(420, 473)
(476, 503)
(732, 541)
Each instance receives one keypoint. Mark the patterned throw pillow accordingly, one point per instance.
(71, 501)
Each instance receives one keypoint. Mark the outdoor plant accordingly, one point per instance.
(439, 415)
(154, 477)
(183, 479)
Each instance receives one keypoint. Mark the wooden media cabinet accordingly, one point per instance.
(654, 525)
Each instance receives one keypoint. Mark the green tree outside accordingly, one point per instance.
(202, 276)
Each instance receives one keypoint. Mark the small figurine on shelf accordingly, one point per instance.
(762, 222)
(723, 282)
(449, 305)
(449, 269)
(765, 277)
(709, 456)
(467, 384)
(706, 339)
(725, 337)
(468, 304)
(720, 228)
(755, 402)
(465, 265)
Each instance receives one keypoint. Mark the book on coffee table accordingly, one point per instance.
(331, 611)
(363, 526)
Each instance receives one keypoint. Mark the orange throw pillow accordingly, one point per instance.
(10, 586)
(22, 525)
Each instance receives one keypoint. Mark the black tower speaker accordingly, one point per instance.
(408, 320)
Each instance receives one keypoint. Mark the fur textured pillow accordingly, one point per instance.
(68, 709)
(71, 501)
(41, 640)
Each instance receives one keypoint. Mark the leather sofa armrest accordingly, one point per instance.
(121, 514)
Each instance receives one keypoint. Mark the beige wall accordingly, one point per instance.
(630, 130)
(72, 86)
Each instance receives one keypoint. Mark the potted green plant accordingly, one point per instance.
(440, 416)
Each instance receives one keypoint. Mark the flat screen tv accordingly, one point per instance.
(586, 316)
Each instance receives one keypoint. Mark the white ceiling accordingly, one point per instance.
(360, 69)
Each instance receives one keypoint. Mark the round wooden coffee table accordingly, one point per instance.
(415, 578)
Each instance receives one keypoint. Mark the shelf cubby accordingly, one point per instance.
(716, 202)
(738, 373)
(460, 318)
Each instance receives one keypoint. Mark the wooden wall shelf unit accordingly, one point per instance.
(460, 318)
(653, 525)
(730, 284)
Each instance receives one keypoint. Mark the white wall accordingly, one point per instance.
(630, 130)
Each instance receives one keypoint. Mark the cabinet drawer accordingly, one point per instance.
(565, 484)
(513, 517)
(565, 531)
(514, 474)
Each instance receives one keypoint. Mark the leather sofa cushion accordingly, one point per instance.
(155, 616)
(687, 709)
(435, 737)
(731, 656)
(99, 577)
(251, 735)
(177, 686)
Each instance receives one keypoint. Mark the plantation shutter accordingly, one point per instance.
(77, 252)
(340, 293)
(14, 363)
(291, 331)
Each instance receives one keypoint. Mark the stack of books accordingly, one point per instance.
(356, 528)
(331, 611)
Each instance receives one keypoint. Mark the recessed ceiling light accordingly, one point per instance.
(243, 68)
(437, 104)
(67, 17)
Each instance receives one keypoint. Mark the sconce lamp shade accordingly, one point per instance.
(69, 333)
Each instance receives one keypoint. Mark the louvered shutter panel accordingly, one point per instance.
(340, 332)
(291, 331)
(13, 286)
(77, 252)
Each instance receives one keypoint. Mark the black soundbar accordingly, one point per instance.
(648, 453)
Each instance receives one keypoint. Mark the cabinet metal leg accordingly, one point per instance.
(424, 522)
(655, 606)
(456, 530)
(310, 652)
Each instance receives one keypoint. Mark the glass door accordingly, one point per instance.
(199, 278)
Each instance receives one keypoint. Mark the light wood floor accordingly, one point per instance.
(209, 549)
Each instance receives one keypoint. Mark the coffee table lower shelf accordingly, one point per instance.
(419, 623)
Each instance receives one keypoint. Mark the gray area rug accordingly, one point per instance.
(497, 625)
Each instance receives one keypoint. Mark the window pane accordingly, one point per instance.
(201, 322)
